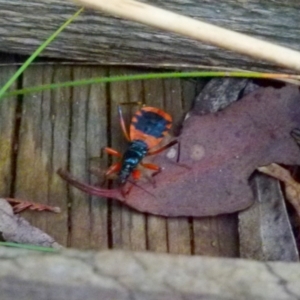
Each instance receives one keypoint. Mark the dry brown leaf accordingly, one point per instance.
(222, 150)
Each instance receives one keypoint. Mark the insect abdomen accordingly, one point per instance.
(136, 151)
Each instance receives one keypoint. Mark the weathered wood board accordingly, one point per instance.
(97, 37)
(8, 120)
(121, 275)
(66, 128)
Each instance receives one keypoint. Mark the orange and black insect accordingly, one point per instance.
(148, 127)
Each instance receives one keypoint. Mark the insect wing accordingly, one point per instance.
(150, 125)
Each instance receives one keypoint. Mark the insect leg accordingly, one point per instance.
(122, 122)
(172, 143)
(136, 174)
(113, 168)
(112, 151)
(153, 167)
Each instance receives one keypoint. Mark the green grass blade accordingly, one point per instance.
(36, 53)
(28, 247)
(134, 77)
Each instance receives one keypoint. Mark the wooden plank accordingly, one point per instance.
(43, 147)
(138, 44)
(97, 123)
(7, 133)
(123, 275)
(79, 202)
(88, 215)
(265, 231)
(61, 129)
(58, 104)
(216, 236)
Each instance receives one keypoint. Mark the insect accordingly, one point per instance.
(148, 127)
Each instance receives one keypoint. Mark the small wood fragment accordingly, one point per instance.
(292, 187)
(265, 232)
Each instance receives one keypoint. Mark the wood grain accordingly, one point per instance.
(63, 129)
(43, 146)
(7, 133)
(96, 37)
(216, 236)
(88, 134)
(265, 229)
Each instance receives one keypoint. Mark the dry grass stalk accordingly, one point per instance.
(198, 30)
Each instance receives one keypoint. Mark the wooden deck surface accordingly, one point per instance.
(65, 128)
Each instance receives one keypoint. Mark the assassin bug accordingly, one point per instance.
(148, 127)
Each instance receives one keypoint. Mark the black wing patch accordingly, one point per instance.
(151, 123)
